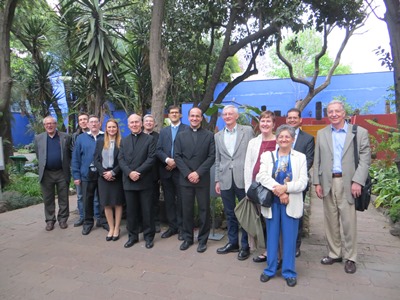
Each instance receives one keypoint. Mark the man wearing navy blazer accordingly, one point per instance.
(169, 173)
(338, 180)
(305, 144)
(136, 159)
(194, 156)
(53, 151)
(230, 148)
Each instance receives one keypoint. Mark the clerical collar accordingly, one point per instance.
(136, 134)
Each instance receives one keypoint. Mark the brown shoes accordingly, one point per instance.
(49, 225)
(329, 260)
(63, 225)
(350, 267)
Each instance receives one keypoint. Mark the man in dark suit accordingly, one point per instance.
(305, 144)
(194, 155)
(148, 127)
(136, 159)
(169, 173)
(53, 151)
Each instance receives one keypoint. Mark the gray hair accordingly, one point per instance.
(230, 106)
(149, 116)
(335, 101)
(287, 128)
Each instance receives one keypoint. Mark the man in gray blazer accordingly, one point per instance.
(53, 152)
(338, 182)
(305, 144)
(230, 152)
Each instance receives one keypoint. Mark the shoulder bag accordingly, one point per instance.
(259, 194)
(361, 202)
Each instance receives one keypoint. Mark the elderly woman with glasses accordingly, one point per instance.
(287, 178)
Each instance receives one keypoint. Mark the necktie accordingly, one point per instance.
(174, 131)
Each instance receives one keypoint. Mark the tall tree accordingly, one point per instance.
(324, 16)
(7, 10)
(160, 77)
(392, 19)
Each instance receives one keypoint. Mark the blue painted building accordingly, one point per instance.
(282, 94)
(276, 95)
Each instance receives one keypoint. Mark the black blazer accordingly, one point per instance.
(306, 145)
(164, 147)
(98, 159)
(140, 159)
(190, 156)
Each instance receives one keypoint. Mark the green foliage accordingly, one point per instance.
(387, 189)
(300, 49)
(15, 200)
(354, 108)
(388, 141)
(25, 185)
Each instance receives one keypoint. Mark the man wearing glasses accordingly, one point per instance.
(54, 155)
(169, 173)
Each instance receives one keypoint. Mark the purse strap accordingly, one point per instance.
(273, 159)
(356, 159)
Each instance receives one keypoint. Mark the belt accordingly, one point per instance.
(336, 175)
(53, 170)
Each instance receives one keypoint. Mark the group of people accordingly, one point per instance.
(126, 171)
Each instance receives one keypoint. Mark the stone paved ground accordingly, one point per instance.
(64, 264)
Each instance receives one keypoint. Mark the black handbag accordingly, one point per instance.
(362, 202)
(259, 194)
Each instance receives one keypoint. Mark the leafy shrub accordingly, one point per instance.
(15, 200)
(25, 184)
(387, 189)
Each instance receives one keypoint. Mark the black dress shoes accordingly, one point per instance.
(329, 260)
(350, 267)
(168, 233)
(180, 236)
(149, 244)
(264, 277)
(116, 237)
(298, 252)
(86, 229)
(260, 258)
(130, 242)
(228, 248)
(78, 223)
(243, 254)
(109, 238)
(201, 248)
(291, 281)
(185, 245)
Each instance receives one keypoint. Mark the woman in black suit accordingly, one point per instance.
(111, 192)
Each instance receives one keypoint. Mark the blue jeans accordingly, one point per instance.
(229, 201)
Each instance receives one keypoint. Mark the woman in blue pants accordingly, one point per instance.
(287, 178)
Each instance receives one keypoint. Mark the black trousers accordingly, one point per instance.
(139, 211)
(202, 195)
(89, 190)
(173, 201)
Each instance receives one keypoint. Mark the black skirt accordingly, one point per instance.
(111, 192)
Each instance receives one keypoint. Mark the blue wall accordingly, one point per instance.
(276, 94)
(282, 94)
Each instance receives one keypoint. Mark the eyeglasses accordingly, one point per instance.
(174, 113)
(47, 124)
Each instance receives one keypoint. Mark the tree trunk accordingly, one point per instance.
(392, 19)
(160, 77)
(7, 11)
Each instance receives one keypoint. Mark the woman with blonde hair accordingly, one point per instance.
(111, 192)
